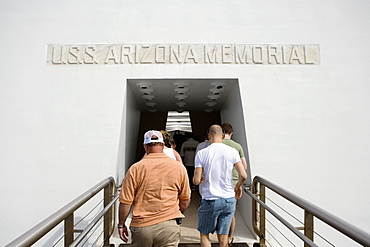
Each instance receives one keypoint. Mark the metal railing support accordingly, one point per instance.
(108, 227)
(262, 229)
(84, 233)
(308, 226)
(282, 220)
(64, 214)
(311, 211)
(68, 230)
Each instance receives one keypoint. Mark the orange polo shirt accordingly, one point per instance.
(154, 186)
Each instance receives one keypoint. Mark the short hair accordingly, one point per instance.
(215, 130)
(227, 128)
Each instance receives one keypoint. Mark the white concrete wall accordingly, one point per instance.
(129, 136)
(233, 113)
(60, 127)
(307, 126)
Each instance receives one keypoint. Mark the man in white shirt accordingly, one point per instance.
(213, 173)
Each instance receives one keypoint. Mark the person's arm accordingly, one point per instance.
(244, 161)
(197, 179)
(184, 204)
(242, 176)
(182, 150)
(177, 156)
(124, 210)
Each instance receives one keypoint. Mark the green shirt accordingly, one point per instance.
(238, 148)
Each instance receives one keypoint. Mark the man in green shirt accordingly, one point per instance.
(228, 131)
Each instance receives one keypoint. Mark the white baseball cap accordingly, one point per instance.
(153, 136)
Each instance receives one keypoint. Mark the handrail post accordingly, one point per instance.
(308, 226)
(262, 216)
(68, 230)
(255, 209)
(108, 196)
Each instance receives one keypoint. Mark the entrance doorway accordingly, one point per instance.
(148, 101)
(208, 101)
(204, 99)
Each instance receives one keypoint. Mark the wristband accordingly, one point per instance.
(120, 227)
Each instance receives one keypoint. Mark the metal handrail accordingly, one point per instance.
(86, 231)
(310, 209)
(66, 214)
(282, 220)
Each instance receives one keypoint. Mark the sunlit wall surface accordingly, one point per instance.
(67, 123)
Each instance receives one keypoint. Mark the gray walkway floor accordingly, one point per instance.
(190, 234)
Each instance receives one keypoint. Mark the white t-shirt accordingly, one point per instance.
(169, 152)
(217, 161)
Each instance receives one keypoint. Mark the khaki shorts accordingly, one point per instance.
(166, 233)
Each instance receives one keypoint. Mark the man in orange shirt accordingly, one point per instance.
(157, 189)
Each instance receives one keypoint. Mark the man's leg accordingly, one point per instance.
(166, 234)
(223, 240)
(142, 236)
(225, 220)
(204, 240)
(232, 228)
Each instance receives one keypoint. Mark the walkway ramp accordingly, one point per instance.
(190, 235)
(215, 245)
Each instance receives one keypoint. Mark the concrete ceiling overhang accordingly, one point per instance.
(163, 95)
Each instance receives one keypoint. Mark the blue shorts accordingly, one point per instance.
(216, 215)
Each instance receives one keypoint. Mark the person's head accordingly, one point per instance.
(189, 135)
(153, 141)
(206, 137)
(215, 133)
(227, 128)
(173, 143)
(166, 138)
